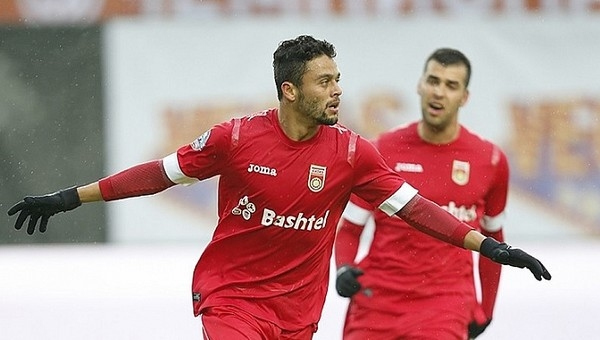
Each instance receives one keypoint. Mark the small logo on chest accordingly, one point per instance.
(460, 172)
(316, 177)
(263, 170)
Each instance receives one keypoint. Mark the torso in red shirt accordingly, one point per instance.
(279, 205)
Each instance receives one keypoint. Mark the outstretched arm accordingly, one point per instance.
(429, 218)
(143, 179)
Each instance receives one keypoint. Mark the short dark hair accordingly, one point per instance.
(291, 56)
(450, 56)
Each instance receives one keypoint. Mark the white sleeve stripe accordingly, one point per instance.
(173, 171)
(493, 224)
(398, 199)
(355, 214)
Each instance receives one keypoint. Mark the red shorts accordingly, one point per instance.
(424, 322)
(227, 322)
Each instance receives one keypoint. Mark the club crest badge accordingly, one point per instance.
(316, 177)
(200, 142)
(460, 172)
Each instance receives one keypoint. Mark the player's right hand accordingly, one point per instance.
(346, 282)
(41, 208)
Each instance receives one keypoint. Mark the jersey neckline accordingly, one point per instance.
(273, 116)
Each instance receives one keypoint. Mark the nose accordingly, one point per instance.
(438, 91)
(337, 91)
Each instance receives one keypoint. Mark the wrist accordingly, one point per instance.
(342, 269)
(472, 240)
(70, 198)
(488, 247)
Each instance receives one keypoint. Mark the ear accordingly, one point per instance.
(464, 98)
(419, 87)
(289, 91)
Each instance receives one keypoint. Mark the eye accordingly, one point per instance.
(432, 81)
(453, 86)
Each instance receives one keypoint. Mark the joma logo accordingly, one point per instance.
(263, 170)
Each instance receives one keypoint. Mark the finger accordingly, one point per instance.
(356, 272)
(536, 269)
(44, 223)
(501, 255)
(353, 287)
(546, 275)
(15, 208)
(21, 219)
(32, 222)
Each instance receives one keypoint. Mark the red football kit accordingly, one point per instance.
(415, 286)
(279, 204)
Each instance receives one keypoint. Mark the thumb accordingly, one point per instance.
(535, 267)
(356, 271)
(539, 271)
(16, 208)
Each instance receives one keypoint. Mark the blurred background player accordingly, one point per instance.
(410, 285)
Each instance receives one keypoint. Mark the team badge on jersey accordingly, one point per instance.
(460, 172)
(316, 177)
(200, 142)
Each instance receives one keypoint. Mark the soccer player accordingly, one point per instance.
(286, 175)
(412, 285)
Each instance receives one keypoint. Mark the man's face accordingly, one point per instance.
(319, 94)
(443, 91)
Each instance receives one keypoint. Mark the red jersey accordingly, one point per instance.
(279, 204)
(469, 178)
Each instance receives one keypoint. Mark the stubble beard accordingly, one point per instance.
(312, 110)
(435, 123)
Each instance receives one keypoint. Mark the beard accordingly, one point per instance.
(436, 123)
(313, 110)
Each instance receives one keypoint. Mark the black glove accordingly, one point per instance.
(42, 207)
(504, 254)
(476, 329)
(346, 283)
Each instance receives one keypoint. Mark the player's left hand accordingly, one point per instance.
(475, 328)
(505, 254)
(346, 282)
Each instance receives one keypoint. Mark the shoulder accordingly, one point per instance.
(338, 134)
(338, 129)
(230, 131)
(399, 135)
(253, 124)
(401, 131)
(256, 118)
(483, 146)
